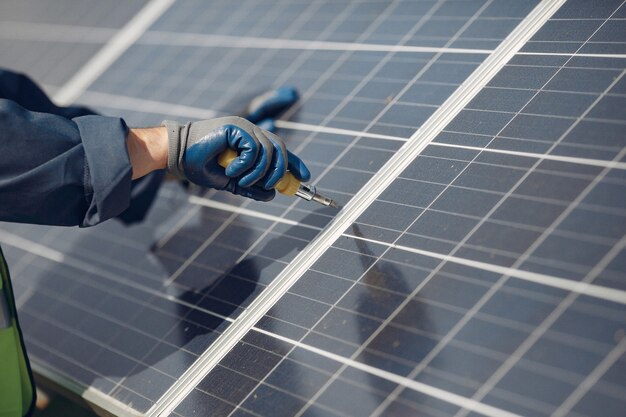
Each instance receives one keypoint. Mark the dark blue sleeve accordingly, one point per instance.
(58, 171)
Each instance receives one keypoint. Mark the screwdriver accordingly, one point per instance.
(288, 185)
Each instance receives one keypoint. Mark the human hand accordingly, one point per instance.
(263, 159)
(271, 104)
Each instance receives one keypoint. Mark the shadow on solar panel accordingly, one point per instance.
(138, 335)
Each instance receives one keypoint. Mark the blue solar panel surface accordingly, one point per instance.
(451, 280)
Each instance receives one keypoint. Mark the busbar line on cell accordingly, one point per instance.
(548, 157)
(591, 290)
(504, 276)
(291, 27)
(80, 34)
(306, 127)
(520, 260)
(225, 224)
(393, 101)
(224, 63)
(617, 295)
(583, 388)
(50, 32)
(543, 327)
(100, 99)
(48, 253)
(24, 261)
(200, 249)
(429, 390)
(115, 101)
(574, 55)
(100, 36)
(112, 50)
(256, 214)
(200, 114)
(371, 73)
(285, 124)
(336, 22)
(224, 41)
(32, 247)
(93, 396)
(247, 212)
(51, 254)
(171, 232)
(56, 256)
(431, 128)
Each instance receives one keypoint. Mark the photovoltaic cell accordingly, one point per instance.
(411, 294)
(28, 30)
(416, 316)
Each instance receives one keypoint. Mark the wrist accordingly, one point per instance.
(147, 150)
(175, 135)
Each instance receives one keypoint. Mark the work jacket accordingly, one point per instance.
(58, 166)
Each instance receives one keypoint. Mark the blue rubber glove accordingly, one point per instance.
(263, 158)
(269, 105)
(267, 124)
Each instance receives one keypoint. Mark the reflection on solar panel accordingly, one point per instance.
(478, 267)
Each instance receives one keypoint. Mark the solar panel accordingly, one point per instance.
(476, 270)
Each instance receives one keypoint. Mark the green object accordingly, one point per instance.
(17, 388)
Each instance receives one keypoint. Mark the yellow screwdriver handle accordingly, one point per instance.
(288, 185)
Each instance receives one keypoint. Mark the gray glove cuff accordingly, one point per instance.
(176, 134)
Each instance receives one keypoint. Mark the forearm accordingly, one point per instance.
(147, 150)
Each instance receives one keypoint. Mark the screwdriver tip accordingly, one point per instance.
(308, 193)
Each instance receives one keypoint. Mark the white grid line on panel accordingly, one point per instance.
(272, 293)
(589, 278)
(294, 25)
(440, 394)
(570, 402)
(57, 256)
(539, 156)
(129, 103)
(46, 32)
(53, 255)
(112, 50)
(617, 296)
(186, 387)
(345, 100)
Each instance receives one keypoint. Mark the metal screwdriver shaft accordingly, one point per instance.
(308, 193)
